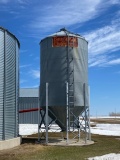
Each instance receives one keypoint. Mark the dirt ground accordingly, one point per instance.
(106, 120)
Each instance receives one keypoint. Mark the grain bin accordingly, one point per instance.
(64, 58)
(9, 84)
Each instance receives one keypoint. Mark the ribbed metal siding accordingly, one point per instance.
(9, 85)
(17, 91)
(10, 108)
(1, 81)
(29, 117)
(28, 103)
(28, 99)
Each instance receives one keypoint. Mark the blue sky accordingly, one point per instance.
(97, 20)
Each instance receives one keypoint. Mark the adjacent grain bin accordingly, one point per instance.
(9, 86)
(64, 58)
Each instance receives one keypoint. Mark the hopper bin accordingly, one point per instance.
(63, 58)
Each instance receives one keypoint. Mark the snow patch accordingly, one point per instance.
(111, 156)
(107, 117)
(28, 129)
(106, 129)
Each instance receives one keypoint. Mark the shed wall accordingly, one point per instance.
(28, 99)
(28, 103)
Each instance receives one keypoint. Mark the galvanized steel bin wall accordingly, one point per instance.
(54, 71)
(9, 84)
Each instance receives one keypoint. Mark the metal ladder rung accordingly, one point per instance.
(70, 72)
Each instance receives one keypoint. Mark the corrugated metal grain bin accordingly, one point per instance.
(9, 84)
(28, 100)
(64, 58)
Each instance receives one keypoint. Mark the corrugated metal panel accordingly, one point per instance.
(10, 108)
(8, 85)
(17, 91)
(1, 81)
(28, 100)
(28, 103)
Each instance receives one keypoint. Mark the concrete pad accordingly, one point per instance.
(7, 144)
(71, 142)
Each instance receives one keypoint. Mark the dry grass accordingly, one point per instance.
(114, 114)
(106, 120)
(29, 150)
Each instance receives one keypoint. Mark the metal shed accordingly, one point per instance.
(28, 100)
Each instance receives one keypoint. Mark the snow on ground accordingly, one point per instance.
(111, 156)
(29, 129)
(106, 129)
(108, 117)
(101, 129)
